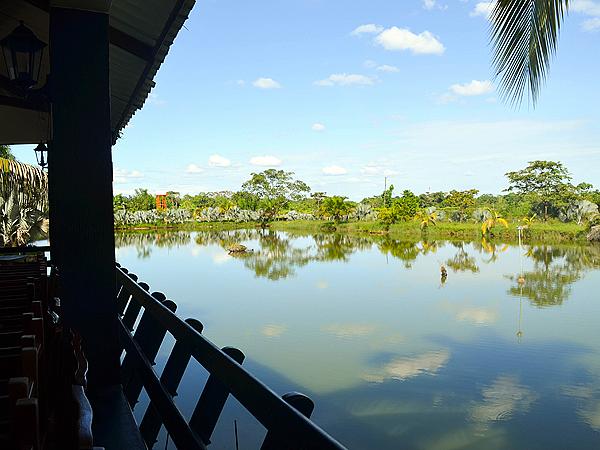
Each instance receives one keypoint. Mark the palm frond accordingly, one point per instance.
(30, 183)
(524, 35)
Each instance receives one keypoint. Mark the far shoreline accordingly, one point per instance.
(539, 233)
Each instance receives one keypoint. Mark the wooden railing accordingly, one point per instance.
(286, 419)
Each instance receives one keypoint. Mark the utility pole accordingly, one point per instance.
(384, 192)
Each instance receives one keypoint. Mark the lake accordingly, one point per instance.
(502, 354)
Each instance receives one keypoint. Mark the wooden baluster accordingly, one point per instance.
(170, 378)
(212, 401)
(305, 406)
(149, 336)
(123, 297)
(133, 308)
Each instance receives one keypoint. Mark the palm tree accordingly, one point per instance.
(494, 219)
(20, 223)
(426, 219)
(524, 35)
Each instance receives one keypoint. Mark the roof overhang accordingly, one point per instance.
(140, 31)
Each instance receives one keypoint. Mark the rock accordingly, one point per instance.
(481, 214)
(237, 248)
(594, 234)
(579, 211)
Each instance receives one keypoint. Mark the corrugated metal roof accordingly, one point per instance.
(156, 24)
(151, 24)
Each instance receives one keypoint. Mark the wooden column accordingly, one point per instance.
(80, 179)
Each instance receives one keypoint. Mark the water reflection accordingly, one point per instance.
(402, 368)
(501, 400)
(359, 323)
(555, 270)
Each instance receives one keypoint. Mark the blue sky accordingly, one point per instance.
(344, 93)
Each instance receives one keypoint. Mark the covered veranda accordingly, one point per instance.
(75, 92)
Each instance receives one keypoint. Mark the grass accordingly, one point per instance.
(548, 232)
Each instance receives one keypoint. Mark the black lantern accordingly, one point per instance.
(22, 52)
(41, 152)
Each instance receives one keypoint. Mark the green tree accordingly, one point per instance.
(461, 200)
(6, 153)
(548, 181)
(141, 200)
(274, 189)
(402, 208)
(524, 36)
(335, 208)
(120, 202)
(386, 197)
(245, 200)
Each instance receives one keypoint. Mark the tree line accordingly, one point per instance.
(543, 189)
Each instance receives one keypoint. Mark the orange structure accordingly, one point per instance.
(161, 201)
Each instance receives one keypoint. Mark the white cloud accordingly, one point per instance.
(318, 127)
(374, 169)
(334, 170)
(218, 161)
(345, 79)
(482, 9)
(121, 176)
(369, 28)
(388, 68)
(588, 7)
(400, 39)
(591, 24)
(369, 64)
(153, 99)
(472, 88)
(429, 4)
(193, 168)
(240, 82)
(266, 83)
(266, 160)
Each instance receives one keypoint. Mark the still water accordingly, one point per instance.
(393, 357)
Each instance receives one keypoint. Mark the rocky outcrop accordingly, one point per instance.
(579, 211)
(594, 234)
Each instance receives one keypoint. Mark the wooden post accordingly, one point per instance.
(305, 406)
(80, 182)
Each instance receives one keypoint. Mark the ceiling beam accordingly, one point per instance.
(117, 37)
(130, 44)
(23, 103)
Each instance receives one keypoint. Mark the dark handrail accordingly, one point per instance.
(24, 249)
(265, 405)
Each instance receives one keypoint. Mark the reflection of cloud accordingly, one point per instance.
(347, 330)
(589, 403)
(503, 398)
(221, 258)
(322, 284)
(479, 316)
(273, 330)
(403, 368)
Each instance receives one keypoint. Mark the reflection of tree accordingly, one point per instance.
(276, 258)
(490, 248)
(554, 272)
(462, 261)
(144, 242)
(404, 250)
